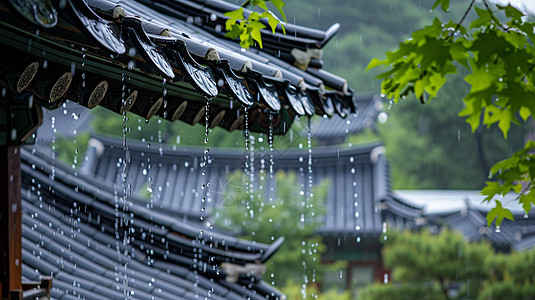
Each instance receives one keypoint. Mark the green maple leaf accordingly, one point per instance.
(260, 3)
(445, 4)
(419, 86)
(472, 111)
(375, 62)
(524, 113)
(527, 200)
(484, 18)
(436, 81)
(273, 21)
(480, 80)
(511, 12)
(492, 189)
(245, 39)
(503, 117)
(234, 16)
(254, 31)
(498, 213)
(235, 31)
(279, 4)
(459, 52)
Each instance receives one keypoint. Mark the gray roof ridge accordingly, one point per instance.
(113, 142)
(92, 186)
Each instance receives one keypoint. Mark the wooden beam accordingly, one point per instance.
(10, 221)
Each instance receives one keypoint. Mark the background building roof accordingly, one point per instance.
(358, 194)
(74, 227)
(464, 211)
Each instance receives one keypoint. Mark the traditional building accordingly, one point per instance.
(360, 206)
(98, 244)
(164, 58)
(465, 212)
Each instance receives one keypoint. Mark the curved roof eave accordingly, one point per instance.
(144, 58)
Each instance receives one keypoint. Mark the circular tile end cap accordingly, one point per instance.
(155, 108)
(237, 123)
(199, 115)
(27, 76)
(98, 94)
(179, 111)
(60, 87)
(129, 102)
(218, 119)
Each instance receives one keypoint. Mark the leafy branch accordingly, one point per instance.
(464, 15)
(491, 13)
(495, 55)
(248, 29)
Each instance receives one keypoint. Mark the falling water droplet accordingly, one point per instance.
(271, 148)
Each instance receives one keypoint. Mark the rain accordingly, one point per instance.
(147, 155)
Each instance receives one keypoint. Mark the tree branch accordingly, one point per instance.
(503, 27)
(465, 15)
(530, 69)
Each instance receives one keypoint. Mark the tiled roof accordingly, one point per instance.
(166, 58)
(358, 197)
(69, 233)
(464, 211)
(472, 223)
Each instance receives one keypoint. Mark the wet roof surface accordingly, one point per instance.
(69, 233)
(358, 195)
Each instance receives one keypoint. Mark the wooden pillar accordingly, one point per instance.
(10, 222)
(19, 118)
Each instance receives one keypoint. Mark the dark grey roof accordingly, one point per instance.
(465, 211)
(141, 48)
(357, 198)
(472, 224)
(527, 243)
(69, 233)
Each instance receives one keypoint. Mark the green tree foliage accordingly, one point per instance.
(445, 266)
(263, 218)
(247, 28)
(431, 148)
(427, 153)
(498, 57)
(428, 146)
(367, 29)
(510, 276)
(72, 151)
(295, 292)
